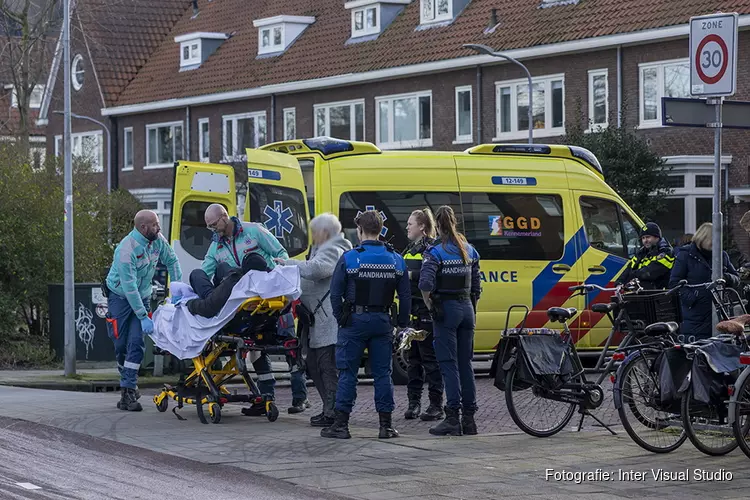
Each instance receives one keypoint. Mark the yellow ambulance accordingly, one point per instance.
(541, 216)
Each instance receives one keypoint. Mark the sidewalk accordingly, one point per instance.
(499, 463)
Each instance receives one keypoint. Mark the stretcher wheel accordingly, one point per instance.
(163, 404)
(214, 411)
(272, 411)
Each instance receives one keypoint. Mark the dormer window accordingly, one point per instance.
(434, 11)
(276, 34)
(195, 48)
(372, 17)
(366, 21)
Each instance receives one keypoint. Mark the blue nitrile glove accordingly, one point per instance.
(147, 325)
(176, 299)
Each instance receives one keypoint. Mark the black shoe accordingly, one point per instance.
(386, 426)
(322, 421)
(339, 429)
(256, 410)
(298, 406)
(434, 411)
(127, 400)
(468, 425)
(414, 409)
(450, 426)
(137, 393)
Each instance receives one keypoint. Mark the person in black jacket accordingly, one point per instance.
(694, 265)
(652, 263)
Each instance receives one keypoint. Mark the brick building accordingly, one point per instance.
(203, 80)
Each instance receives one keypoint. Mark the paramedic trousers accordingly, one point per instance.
(321, 364)
(374, 332)
(454, 347)
(423, 365)
(124, 328)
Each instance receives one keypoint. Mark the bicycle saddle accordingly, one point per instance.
(561, 314)
(658, 329)
(734, 326)
(603, 308)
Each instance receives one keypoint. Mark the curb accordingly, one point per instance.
(82, 386)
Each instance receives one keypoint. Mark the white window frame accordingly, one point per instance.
(177, 154)
(437, 18)
(366, 30)
(548, 130)
(74, 81)
(660, 66)
(194, 47)
(38, 91)
(256, 139)
(272, 47)
(202, 156)
(353, 123)
(467, 138)
(392, 144)
(77, 140)
(163, 199)
(594, 73)
(290, 114)
(125, 132)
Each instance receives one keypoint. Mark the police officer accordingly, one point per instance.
(450, 286)
(128, 292)
(362, 292)
(652, 263)
(420, 229)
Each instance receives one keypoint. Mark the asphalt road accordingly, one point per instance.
(41, 462)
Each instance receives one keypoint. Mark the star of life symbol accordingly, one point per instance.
(279, 219)
(383, 231)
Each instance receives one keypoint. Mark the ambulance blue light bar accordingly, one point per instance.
(587, 156)
(328, 145)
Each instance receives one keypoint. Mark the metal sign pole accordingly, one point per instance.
(717, 264)
(69, 286)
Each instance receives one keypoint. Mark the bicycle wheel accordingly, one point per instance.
(532, 413)
(707, 426)
(644, 420)
(741, 425)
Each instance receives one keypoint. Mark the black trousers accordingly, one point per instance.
(321, 366)
(423, 365)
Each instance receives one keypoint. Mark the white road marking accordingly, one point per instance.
(29, 486)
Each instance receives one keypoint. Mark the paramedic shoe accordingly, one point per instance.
(127, 400)
(256, 410)
(386, 426)
(321, 421)
(434, 411)
(137, 393)
(298, 406)
(450, 426)
(414, 408)
(468, 425)
(339, 429)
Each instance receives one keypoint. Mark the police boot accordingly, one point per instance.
(450, 426)
(339, 429)
(127, 400)
(434, 411)
(386, 426)
(468, 425)
(414, 407)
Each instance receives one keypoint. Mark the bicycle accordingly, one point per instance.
(739, 402)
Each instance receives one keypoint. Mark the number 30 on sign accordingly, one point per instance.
(713, 55)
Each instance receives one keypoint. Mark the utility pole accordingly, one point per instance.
(69, 283)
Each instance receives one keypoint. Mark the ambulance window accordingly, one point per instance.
(630, 232)
(396, 206)
(308, 177)
(195, 237)
(604, 231)
(515, 226)
(282, 211)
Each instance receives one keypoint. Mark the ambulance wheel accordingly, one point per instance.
(214, 412)
(400, 366)
(163, 404)
(272, 412)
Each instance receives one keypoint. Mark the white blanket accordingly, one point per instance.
(184, 335)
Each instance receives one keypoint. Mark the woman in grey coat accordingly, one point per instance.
(329, 245)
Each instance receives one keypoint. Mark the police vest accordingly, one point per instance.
(453, 275)
(413, 258)
(376, 270)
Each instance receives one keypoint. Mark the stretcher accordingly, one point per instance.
(253, 329)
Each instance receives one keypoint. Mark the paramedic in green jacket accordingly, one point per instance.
(129, 296)
(232, 241)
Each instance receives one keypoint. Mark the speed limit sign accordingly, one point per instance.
(713, 55)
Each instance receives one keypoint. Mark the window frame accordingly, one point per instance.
(287, 113)
(353, 117)
(594, 73)
(152, 126)
(202, 156)
(391, 143)
(366, 30)
(195, 57)
(257, 141)
(514, 134)
(74, 81)
(125, 166)
(272, 47)
(38, 89)
(98, 166)
(465, 139)
(660, 67)
(436, 17)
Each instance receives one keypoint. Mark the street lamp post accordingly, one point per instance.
(69, 286)
(487, 50)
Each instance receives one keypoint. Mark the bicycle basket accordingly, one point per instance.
(652, 306)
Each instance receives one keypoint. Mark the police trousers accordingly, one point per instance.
(374, 332)
(124, 328)
(423, 365)
(454, 347)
